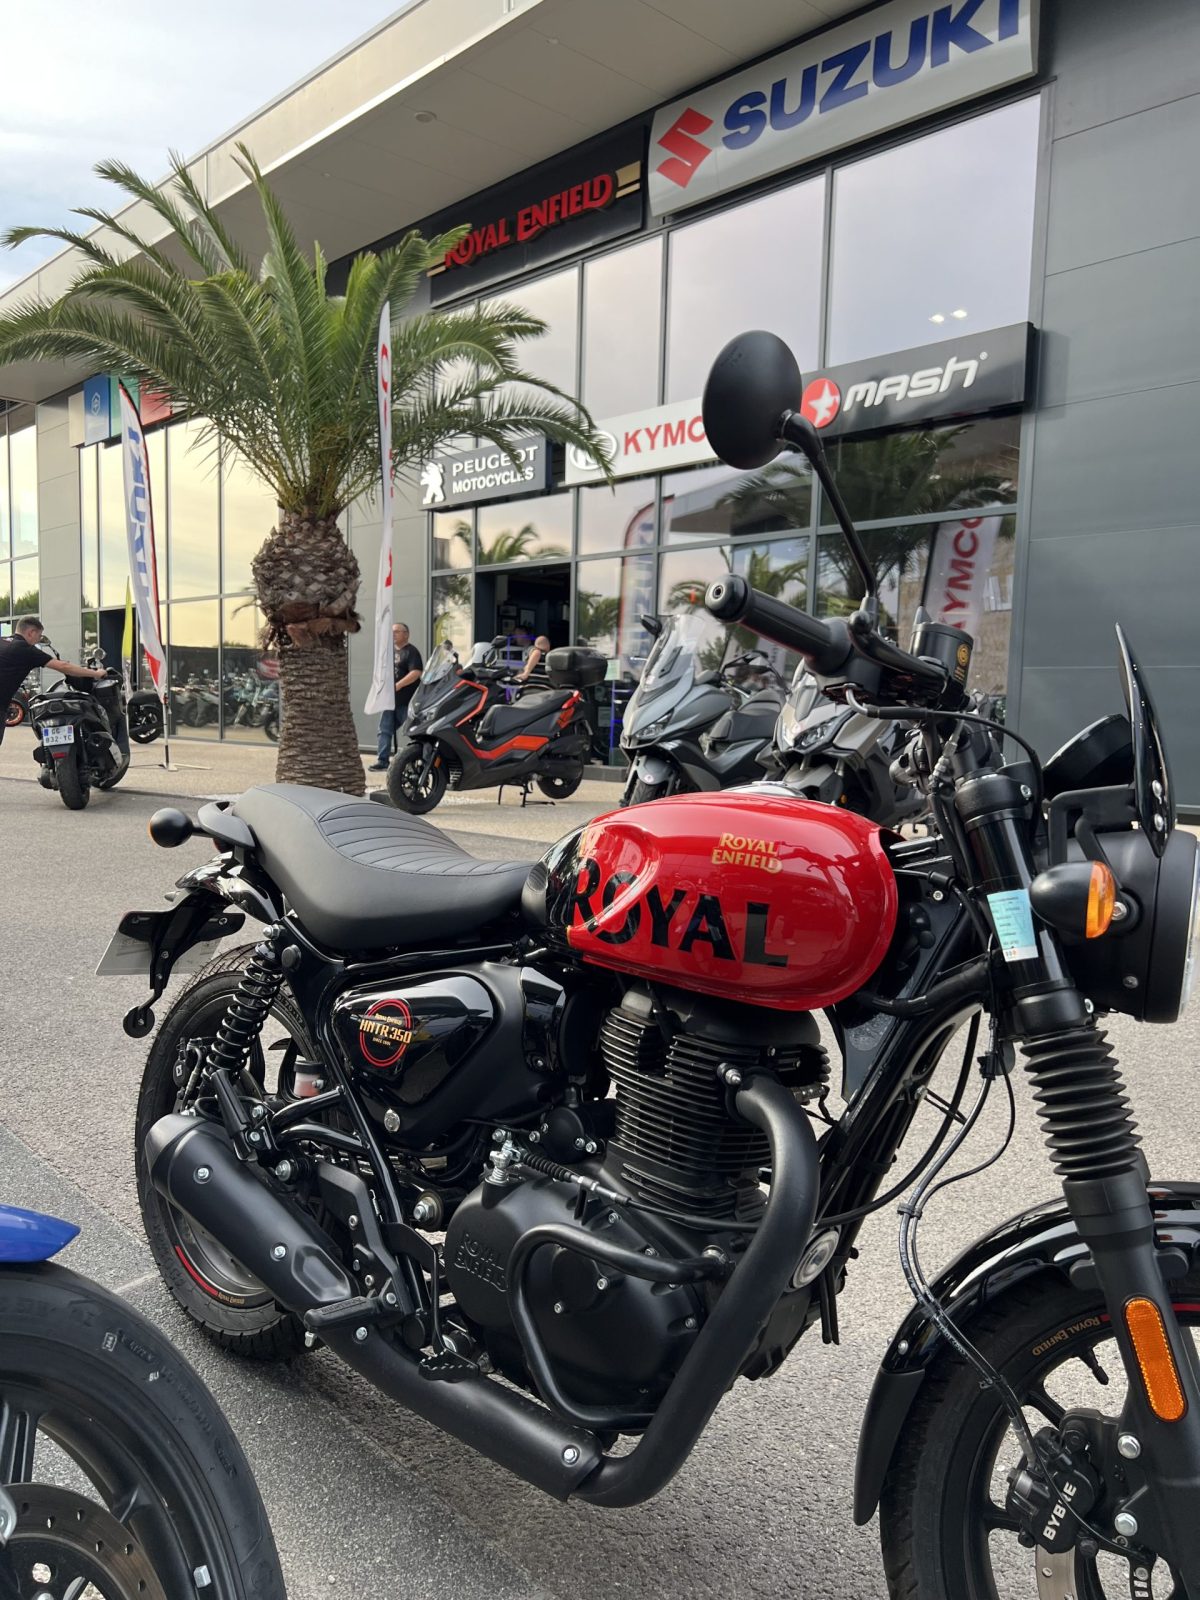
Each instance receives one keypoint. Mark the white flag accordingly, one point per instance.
(139, 525)
(958, 570)
(383, 677)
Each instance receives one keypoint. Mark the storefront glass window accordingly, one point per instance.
(89, 525)
(556, 301)
(23, 490)
(452, 616)
(5, 597)
(933, 239)
(91, 635)
(248, 513)
(452, 536)
(5, 513)
(114, 544)
(25, 586)
(620, 518)
(525, 530)
(622, 325)
(195, 521)
(716, 501)
(755, 266)
(193, 666)
(927, 470)
(611, 597)
(249, 675)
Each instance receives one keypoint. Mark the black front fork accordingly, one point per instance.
(1094, 1146)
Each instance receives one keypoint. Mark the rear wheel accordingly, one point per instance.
(407, 789)
(559, 785)
(145, 723)
(211, 1285)
(16, 714)
(73, 782)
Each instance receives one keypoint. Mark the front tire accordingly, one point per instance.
(944, 1530)
(561, 785)
(169, 1490)
(405, 788)
(73, 782)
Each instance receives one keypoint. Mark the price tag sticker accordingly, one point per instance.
(1012, 918)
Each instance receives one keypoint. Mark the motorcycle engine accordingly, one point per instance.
(674, 1144)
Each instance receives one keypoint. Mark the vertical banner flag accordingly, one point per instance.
(127, 640)
(139, 524)
(958, 570)
(383, 678)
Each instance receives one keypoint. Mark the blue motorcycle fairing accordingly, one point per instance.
(31, 1236)
(1040, 1239)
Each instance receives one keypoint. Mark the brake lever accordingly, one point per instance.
(870, 644)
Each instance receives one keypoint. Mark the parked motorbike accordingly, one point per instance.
(83, 735)
(17, 714)
(597, 1081)
(162, 1502)
(461, 733)
(145, 714)
(196, 704)
(687, 728)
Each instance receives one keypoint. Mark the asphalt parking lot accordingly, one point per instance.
(364, 1498)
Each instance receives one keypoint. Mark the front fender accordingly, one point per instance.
(32, 1236)
(1033, 1241)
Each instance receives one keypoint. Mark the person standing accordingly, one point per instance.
(407, 667)
(19, 656)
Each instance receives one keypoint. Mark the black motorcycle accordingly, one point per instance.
(462, 733)
(693, 728)
(17, 713)
(539, 1154)
(83, 735)
(145, 716)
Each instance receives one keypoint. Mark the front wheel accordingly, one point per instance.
(162, 1502)
(73, 782)
(945, 1528)
(410, 788)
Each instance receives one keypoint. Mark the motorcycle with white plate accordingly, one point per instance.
(544, 1151)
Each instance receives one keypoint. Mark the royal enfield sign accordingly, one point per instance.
(659, 440)
(891, 66)
(467, 476)
(962, 377)
(572, 204)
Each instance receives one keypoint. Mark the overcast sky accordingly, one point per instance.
(134, 79)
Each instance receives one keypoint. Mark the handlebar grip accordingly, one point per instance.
(731, 599)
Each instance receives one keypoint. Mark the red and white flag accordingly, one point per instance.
(139, 526)
(382, 696)
(958, 570)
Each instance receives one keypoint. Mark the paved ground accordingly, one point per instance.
(365, 1499)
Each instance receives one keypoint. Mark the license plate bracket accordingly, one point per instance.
(56, 737)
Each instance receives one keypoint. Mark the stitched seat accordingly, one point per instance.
(360, 876)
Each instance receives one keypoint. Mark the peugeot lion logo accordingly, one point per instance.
(433, 483)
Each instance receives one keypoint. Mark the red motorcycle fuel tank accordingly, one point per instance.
(749, 894)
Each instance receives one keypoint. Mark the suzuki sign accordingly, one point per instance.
(891, 66)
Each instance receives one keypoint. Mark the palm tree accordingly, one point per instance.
(517, 545)
(284, 374)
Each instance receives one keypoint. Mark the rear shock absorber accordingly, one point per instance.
(250, 1007)
(1082, 1104)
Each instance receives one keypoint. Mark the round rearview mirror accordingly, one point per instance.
(753, 381)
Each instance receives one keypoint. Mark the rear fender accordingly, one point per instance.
(1034, 1241)
(32, 1236)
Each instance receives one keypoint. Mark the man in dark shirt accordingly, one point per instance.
(407, 666)
(19, 656)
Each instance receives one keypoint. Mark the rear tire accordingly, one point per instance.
(561, 785)
(251, 1323)
(16, 714)
(73, 782)
(403, 782)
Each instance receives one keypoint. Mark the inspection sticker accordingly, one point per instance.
(1012, 917)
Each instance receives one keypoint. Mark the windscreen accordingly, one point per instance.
(690, 643)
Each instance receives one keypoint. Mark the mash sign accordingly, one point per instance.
(897, 63)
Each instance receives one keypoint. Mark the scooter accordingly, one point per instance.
(692, 728)
(83, 736)
(461, 734)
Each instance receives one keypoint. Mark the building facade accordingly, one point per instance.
(976, 225)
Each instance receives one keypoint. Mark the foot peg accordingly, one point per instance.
(359, 1308)
(448, 1367)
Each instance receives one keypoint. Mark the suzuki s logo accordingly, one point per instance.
(684, 149)
(821, 403)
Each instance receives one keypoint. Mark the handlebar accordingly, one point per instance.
(731, 599)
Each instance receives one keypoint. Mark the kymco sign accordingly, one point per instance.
(896, 63)
(659, 440)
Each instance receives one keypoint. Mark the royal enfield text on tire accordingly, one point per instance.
(407, 790)
(73, 782)
(219, 1295)
(133, 1414)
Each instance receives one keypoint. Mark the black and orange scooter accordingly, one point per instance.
(461, 734)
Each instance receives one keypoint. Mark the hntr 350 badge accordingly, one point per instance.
(385, 1032)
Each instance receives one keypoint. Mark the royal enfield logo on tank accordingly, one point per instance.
(897, 63)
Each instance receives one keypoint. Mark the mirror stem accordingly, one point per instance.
(800, 433)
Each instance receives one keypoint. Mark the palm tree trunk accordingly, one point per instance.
(318, 743)
(306, 580)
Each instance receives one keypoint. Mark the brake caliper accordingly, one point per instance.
(1047, 1511)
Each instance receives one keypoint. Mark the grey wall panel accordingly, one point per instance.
(1104, 332)
(1126, 185)
(1123, 462)
(1079, 587)
(1107, 79)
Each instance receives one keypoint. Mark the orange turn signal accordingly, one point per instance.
(1101, 900)
(1159, 1373)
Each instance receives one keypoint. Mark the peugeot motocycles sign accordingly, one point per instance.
(891, 66)
(463, 477)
